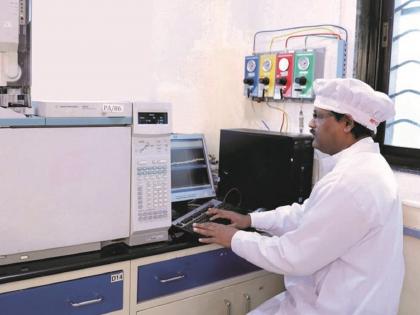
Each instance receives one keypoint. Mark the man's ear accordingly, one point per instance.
(349, 123)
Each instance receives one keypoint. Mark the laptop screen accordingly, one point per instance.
(190, 168)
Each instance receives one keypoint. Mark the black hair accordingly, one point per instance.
(358, 131)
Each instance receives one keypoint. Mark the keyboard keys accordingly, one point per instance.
(199, 215)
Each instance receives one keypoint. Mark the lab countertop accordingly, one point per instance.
(107, 255)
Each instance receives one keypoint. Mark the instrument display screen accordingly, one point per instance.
(155, 118)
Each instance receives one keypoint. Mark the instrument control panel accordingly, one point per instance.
(150, 173)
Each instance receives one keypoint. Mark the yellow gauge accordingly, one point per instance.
(266, 65)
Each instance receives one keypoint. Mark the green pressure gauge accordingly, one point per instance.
(303, 63)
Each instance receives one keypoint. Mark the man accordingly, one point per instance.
(341, 250)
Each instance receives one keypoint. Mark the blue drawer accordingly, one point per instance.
(85, 296)
(170, 276)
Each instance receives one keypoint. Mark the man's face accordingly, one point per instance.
(327, 131)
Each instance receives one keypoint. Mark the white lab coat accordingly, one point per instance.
(341, 251)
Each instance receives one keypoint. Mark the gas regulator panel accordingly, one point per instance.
(289, 73)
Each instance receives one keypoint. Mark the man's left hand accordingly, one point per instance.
(215, 233)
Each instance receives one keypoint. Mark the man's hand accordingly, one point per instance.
(237, 220)
(215, 233)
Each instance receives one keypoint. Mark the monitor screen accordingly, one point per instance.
(190, 169)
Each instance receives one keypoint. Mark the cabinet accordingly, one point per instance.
(205, 280)
(237, 299)
(91, 291)
(200, 280)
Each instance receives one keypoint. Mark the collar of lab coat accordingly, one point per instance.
(363, 145)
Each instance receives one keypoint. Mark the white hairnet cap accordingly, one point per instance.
(355, 98)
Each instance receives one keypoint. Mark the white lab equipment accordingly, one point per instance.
(65, 186)
(150, 173)
(83, 109)
(9, 41)
(15, 78)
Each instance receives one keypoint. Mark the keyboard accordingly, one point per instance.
(199, 215)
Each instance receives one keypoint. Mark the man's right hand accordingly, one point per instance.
(237, 220)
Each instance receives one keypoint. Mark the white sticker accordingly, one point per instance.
(112, 108)
(260, 89)
(115, 277)
(277, 94)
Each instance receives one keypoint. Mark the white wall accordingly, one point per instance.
(409, 295)
(187, 52)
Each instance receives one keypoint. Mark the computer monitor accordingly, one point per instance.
(190, 168)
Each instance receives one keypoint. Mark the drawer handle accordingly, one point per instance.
(179, 277)
(89, 302)
(247, 303)
(228, 305)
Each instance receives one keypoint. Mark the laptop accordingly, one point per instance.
(193, 190)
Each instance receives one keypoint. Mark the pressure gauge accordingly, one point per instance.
(303, 63)
(267, 65)
(251, 65)
(283, 64)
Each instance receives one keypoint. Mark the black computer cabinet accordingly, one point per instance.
(264, 168)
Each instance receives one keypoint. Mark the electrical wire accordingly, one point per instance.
(253, 107)
(298, 27)
(314, 34)
(285, 118)
(306, 39)
(265, 124)
(297, 32)
(282, 122)
(230, 191)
